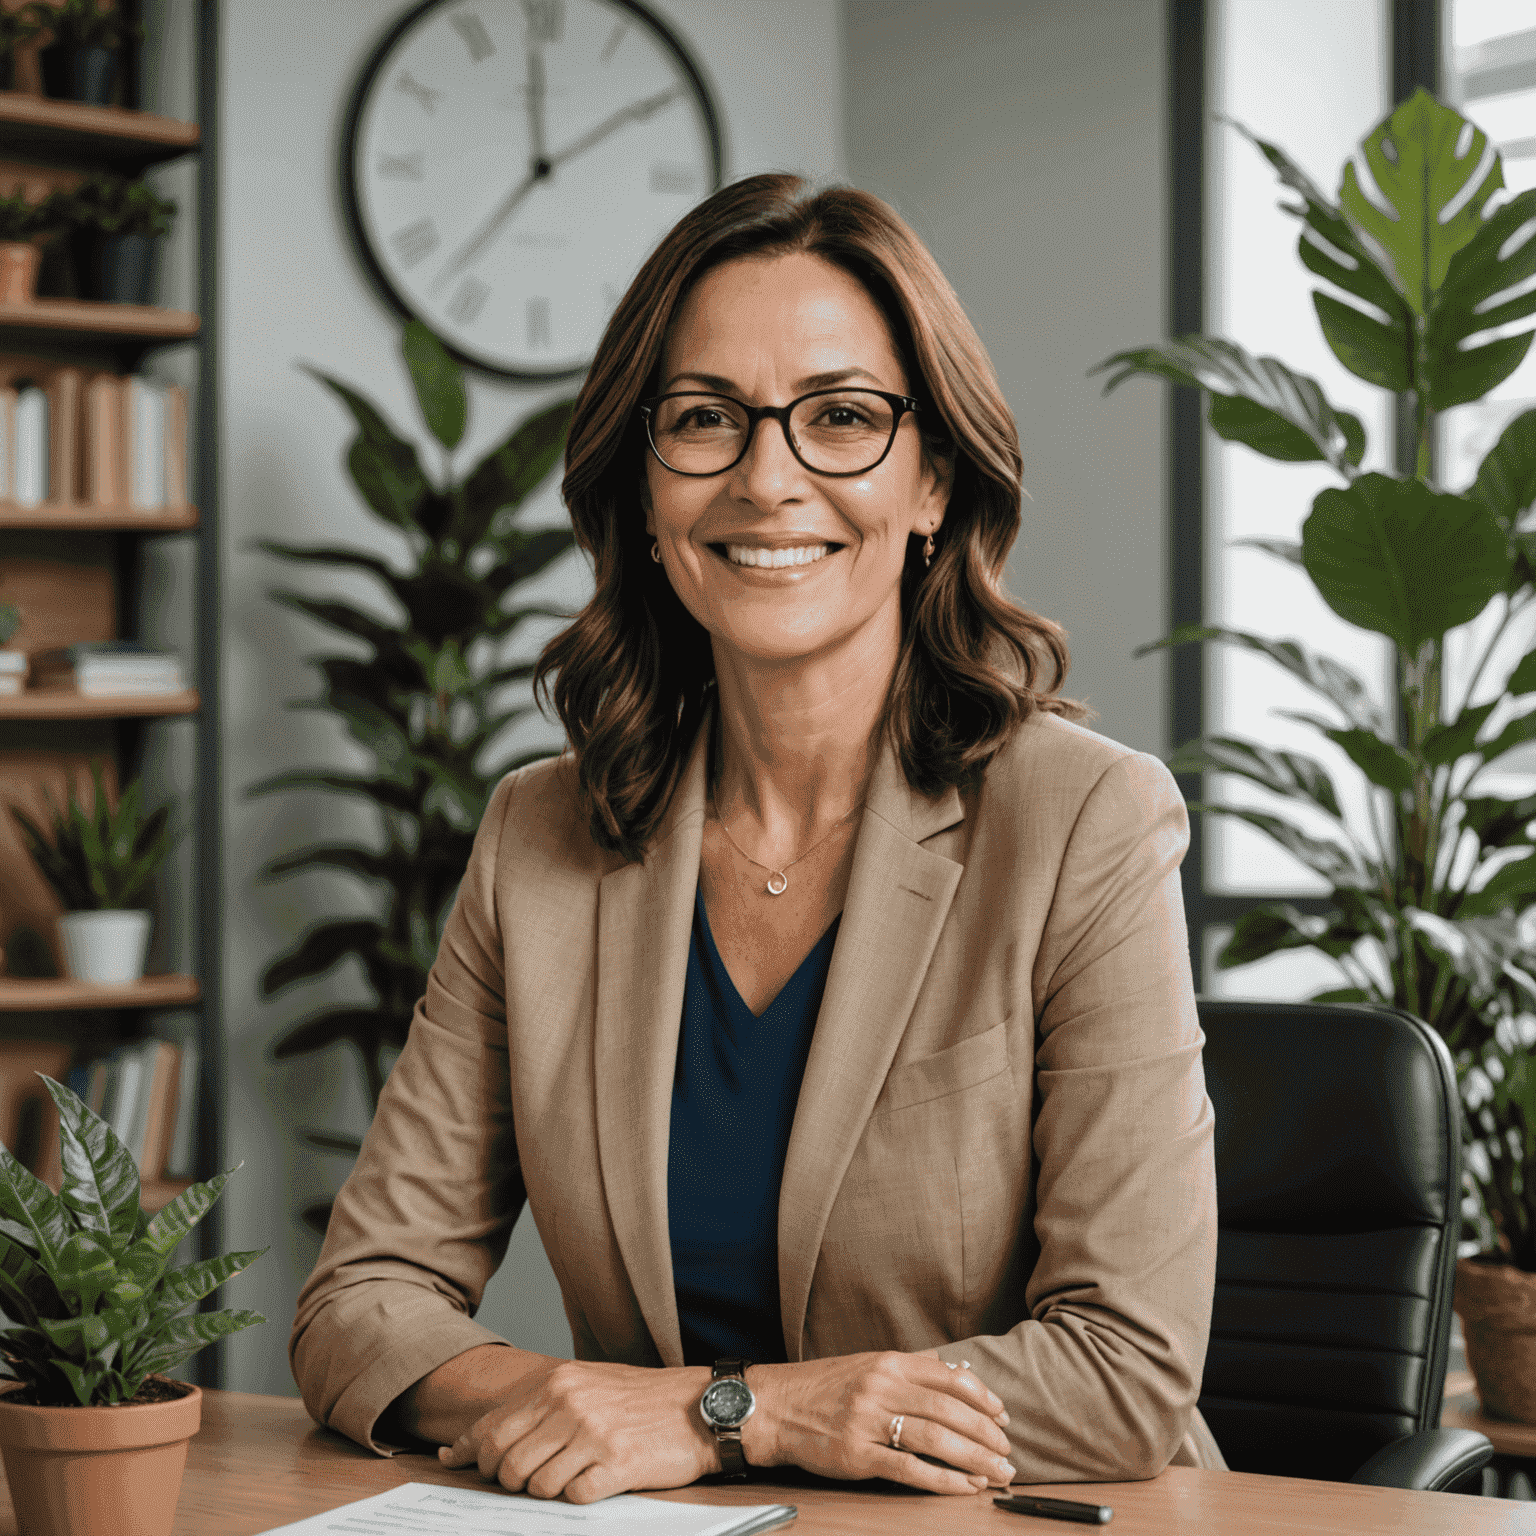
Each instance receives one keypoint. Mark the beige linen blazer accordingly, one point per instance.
(1002, 1147)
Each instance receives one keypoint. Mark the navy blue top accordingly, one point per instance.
(733, 1103)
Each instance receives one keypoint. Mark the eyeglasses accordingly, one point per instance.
(830, 431)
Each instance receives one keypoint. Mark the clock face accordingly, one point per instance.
(510, 163)
(727, 1402)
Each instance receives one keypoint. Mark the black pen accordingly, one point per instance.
(1057, 1509)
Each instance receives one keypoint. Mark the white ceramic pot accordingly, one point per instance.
(105, 946)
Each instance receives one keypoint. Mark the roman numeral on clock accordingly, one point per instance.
(538, 323)
(410, 167)
(476, 38)
(468, 300)
(545, 20)
(424, 94)
(415, 241)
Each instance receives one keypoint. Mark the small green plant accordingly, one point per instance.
(105, 204)
(83, 1272)
(10, 621)
(81, 24)
(22, 219)
(101, 860)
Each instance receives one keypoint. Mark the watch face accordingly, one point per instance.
(510, 163)
(727, 1403)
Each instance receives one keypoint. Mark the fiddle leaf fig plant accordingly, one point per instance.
(83, 1276)
(427, 699)
(1432, 903)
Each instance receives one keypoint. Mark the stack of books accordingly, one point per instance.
(13, 671)
(83, 438)
(108, 669)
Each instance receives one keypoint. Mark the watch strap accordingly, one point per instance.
(733, 1460)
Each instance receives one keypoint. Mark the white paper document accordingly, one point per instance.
(424, 1509)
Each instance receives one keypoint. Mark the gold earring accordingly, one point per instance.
(927, 551)
(656, 550)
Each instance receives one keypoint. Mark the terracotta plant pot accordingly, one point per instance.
(18, 271)
(97, 1471)
(1497, 1306)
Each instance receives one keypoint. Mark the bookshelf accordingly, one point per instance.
(87, 570)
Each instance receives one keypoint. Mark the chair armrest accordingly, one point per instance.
(1431, 1461)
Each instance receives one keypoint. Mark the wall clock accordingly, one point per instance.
(508, 164)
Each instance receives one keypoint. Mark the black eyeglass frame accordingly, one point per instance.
(899, 404)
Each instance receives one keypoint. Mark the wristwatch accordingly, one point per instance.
(726, 1405)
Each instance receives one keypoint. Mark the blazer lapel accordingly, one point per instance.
(899, 895)
(644, 924)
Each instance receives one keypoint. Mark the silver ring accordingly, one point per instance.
(896, 1424)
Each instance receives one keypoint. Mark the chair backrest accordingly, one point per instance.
(1338, 1173)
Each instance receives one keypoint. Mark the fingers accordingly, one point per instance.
(900, 1467)
(963, 1381)
(923, 1437)
(960, 1419)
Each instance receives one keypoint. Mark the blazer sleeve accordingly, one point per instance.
(1102, 1375)
(423, 1221)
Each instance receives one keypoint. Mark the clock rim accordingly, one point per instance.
(347, 162)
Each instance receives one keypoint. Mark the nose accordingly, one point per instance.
(769, 470)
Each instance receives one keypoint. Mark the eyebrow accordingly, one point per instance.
(813, 381)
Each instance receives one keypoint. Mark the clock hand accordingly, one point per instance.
(636, 111)
(488, 231)
(535, 94)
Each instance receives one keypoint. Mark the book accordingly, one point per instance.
(176, 446)
(146, 440)
(7, 443)
(31, 468)
(13, 670)
(181, 1159)
(104, 444)
(153, 1142)
(108, 669)
(449, 1510)
(125, 1101)
(64, 397)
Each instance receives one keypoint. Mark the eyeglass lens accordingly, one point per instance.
(840, 433)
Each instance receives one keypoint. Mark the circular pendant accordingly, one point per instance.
(778, 881)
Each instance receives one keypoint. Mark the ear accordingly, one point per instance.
(939, 483)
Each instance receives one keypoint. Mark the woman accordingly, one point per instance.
(829, 1001)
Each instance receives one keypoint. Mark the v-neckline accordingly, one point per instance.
(737, 1001)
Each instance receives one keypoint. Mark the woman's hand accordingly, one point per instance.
(585, 1431)
(834, 1417)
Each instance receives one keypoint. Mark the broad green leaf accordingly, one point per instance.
(371, 422)
(1499, 823)
(181, 1287)
(385, 638)
(1335, 862)
(1476, 297)
(1275, 926)
(1447, 743)
(84, 1271)
(1288, 550)
(1512, 886)
(315, 1033)
(524, 555)
(1369, 348)
(329, 554)
(82, 1339)
(1257, 401)
(1523, 679)
(439, 384)
(388, 793)
(1285, 773)
(1506, 479)
(1342, 995)
(1332, 679)
(101, 1183)
(27, 1201)
(1413, 159)
(1476, 948)
(184, 1336)
(1395, 557)
(390, 480)
(1381, 760)
(1519, 731)
(324, 945)
(174, 1221)
(355, 860)
(26, 1291)
(513, 470)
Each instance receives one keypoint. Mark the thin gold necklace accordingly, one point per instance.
(778, 881)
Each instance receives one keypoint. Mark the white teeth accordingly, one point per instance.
(747, 554)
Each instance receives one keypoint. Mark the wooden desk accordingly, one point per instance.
(259, 1462)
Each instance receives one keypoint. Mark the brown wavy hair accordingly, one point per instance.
(629, 677)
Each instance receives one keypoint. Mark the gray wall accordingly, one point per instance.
(1024, 141)
(291, 291)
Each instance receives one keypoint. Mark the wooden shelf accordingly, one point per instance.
(84, 518)
(53, 996)
(69, 704)
(39, 125)
(88, 318)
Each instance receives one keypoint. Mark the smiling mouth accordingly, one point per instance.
(774, 559)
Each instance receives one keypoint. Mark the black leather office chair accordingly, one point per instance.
(1338, 1177)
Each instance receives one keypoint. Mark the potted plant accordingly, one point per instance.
(17, 28)
(1433, 895)
(92, 1432)
(80, 63)
(101, 864)
(115, 227)
(25, 224)
(426, 702)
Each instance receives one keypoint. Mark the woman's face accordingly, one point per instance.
(767, 330)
